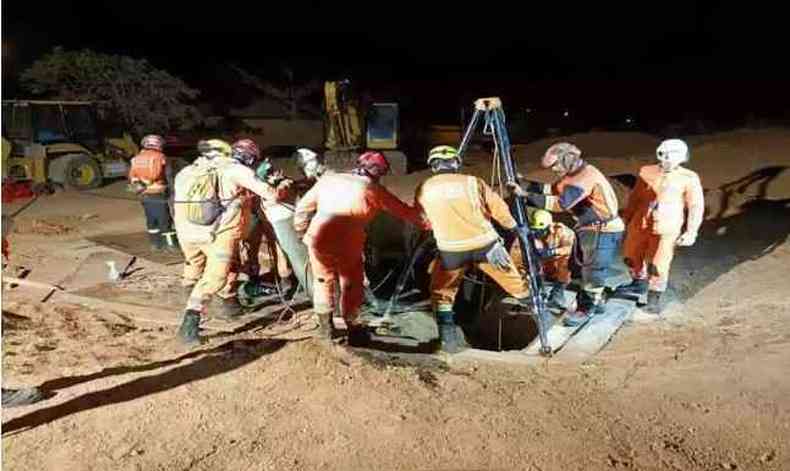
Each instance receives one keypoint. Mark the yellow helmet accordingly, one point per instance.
(540, 220)
(216, 145)
(443, 153)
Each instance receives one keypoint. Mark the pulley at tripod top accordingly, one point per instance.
(484, 104)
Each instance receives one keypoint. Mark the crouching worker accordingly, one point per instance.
(150, 177)
(554, 245)
(460, 209)
(334, 214)
(666, 197)
(212, 212)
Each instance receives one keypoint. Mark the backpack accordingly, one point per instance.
(202, 201)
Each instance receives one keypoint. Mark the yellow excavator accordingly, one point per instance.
(349, 130)
(60, 142)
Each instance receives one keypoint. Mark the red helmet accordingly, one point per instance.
(374, 164)
(153, 141)
(246, 151)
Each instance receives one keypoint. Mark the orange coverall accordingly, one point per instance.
(460, 209)
(556, 268)
(657, 209)
(335, 212)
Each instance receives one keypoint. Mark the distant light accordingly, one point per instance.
(529, 110)
(566, 114)
(629, 120)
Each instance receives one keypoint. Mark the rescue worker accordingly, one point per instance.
(280, 215)
(150, 176)
(210, 251)
(333, 215)
(310, 163)
(461, 209)
(554, 245)
(584, 192)
(665, 209)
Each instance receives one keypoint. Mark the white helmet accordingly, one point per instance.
(310, 162)
(671, 153)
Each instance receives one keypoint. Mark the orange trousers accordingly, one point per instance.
(649, 256)
(445, 283)
(331, 271)
(212, 268)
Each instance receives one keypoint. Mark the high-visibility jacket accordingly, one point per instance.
(150, 168)
(589, 197)
(460, 209)
(662, 202)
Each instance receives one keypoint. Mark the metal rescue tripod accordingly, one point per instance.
(490, 109)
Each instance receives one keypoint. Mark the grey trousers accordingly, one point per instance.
(296, 252)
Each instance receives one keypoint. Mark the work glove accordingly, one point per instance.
(498, 257)
(687, 239)
(516, 189)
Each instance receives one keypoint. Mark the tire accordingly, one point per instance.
(82, 173)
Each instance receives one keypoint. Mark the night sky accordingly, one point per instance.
(643, 56)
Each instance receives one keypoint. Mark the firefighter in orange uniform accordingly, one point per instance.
(584, 192)
(333, 215)
(150, 177)
(461, 209)
(664, 210)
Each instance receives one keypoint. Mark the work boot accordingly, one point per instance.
(189, 332)
(21, 397)
(171, 242)
(581, 315)
(157, 244)
(452, 341)
(358, 334)
(653, 303)
(230, 309)
(557, 297)
(324, 327)
(636, 288)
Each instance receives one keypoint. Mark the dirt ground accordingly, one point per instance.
(704, 388)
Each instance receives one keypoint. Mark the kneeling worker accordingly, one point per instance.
(554, 245)
(460, 209)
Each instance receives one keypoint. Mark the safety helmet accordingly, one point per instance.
(304, 156)
(443, 153)
(245, 151)
(374, 164)
(153, 142)
(671, 153)
(443, 158)
(540, 219)
(214, 147)
(562, 158)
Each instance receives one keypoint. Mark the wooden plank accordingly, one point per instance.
(598, 331)
(558, 334)
(515, 357)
